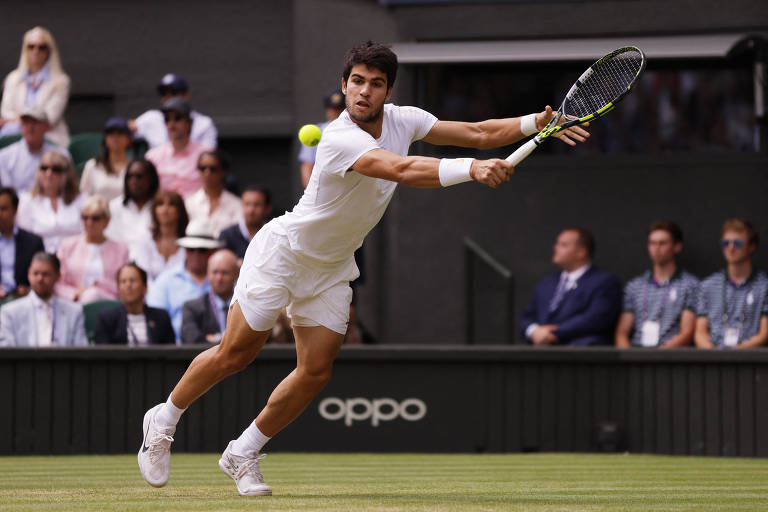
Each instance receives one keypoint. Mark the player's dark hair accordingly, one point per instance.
(373, 55)
(670, 227)
(584, 239)
(254, 187)
(141, 271)
(9, 191)
(741, 225)
(50, 259)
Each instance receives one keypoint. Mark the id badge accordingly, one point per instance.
(731, 337)
(650, 333)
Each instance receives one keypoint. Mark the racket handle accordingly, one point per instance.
(522, 152)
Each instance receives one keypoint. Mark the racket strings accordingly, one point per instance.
(607, 82)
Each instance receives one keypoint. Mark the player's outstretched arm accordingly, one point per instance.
(427, 172)
(493, 133)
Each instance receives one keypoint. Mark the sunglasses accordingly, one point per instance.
(41, 47)
(136, 175)
(174, 117)
(197, 249)
(94, 218)
(212, 168)
(55, 168)
(737, 244)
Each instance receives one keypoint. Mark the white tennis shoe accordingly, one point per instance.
(245, 472)
(155, 450)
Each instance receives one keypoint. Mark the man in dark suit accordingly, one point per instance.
(17, 246)
(257, 207)
(204, 319)
(133, 322)
(578, 305)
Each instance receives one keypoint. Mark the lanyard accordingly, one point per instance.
(663, 300)
(742, 316)
(216, 312)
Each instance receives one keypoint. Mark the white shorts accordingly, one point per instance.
(274, 276)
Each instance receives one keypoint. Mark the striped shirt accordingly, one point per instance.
(664, 303)
(744, 305)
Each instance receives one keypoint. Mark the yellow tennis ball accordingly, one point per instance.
(309, 135)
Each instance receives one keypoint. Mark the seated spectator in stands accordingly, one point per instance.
(178, 285)
(105, 174)
(204, 319)
(19, 161)
(150, 125)
(176, 160)
(37, 82)
(89, 261)
(334, 103)
(257, 207)
(133, 322)
(578, 305)
(17, 246)
(660, 305)
(41, 319)
(161, 250)
(51, 208)
(213, 201)
(733, 303)
(132, 210)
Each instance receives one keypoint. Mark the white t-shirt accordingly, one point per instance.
(338, 207)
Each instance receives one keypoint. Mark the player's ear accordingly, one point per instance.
(343, 86)
(389, 93)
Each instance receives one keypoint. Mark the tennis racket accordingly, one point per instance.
(595, 93)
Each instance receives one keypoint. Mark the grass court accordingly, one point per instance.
(393, 482)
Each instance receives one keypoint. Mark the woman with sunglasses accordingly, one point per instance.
(38, 81)
(90, 261)
(104, 174)
(213, 201)
(169, 223)
(51, 208)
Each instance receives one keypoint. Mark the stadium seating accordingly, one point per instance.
(91, 314)
(8, 140)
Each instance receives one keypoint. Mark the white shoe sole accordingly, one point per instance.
(264, 492)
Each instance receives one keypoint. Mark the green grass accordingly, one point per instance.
(374, 482)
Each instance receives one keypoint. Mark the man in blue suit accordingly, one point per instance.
(578, 305)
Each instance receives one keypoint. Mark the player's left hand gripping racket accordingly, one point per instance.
(594, 94)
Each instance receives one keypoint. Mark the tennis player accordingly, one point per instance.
(304, 259)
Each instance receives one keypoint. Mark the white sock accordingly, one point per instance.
(250, 442)
(168, 415)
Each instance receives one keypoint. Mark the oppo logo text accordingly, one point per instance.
(376, 410)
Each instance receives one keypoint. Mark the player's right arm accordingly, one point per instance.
(424, 172)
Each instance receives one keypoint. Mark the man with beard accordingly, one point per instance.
(304, 259)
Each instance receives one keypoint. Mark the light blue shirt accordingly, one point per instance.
(18, 164)
(221, 311)
(8, 261)
(34, 82)
(171, 290)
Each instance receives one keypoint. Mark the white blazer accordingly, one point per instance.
(52, 97)
(18, 329)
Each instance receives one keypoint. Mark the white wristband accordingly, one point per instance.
(453, 171)
(528, 124)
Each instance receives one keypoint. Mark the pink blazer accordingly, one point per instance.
(73, 254)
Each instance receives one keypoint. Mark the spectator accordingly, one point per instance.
(133, 322)
(41, 319)
(176, 160)
(660, 305)
(257, 207)
(51, 208)
(89, 260)
(151, 126)
(19, 161)
(17, 246)
(105, 174)
(334, 106)
(220, 206)
(178, 285)
(578, 305)
(204, 319)
(161, 250)
(733, 305)
(131, 211)
(38, 82)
